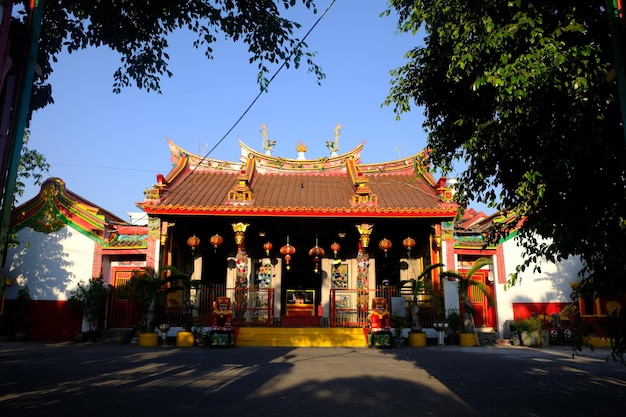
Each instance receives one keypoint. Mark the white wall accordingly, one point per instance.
(551, 285)
(50, 264)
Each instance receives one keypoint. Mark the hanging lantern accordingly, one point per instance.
(335, 248)
(385, 245)
(287, 251)
(216, 240)
(408, 243)
(193, 242)
(268, 247)
(317, 253)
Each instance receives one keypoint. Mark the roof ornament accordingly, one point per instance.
(333, 146)
(268, 145)
(301, 148)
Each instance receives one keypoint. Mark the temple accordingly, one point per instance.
(298, 241)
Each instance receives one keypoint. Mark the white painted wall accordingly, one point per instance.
(50, 264)
(548, 286)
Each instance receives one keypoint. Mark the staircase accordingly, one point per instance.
(301, 337)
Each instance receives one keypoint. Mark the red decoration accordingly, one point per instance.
(193, 242)
(268, 247)
(335, 248)
(408, 243)
(385, 245)
(216, 240)
(287, 251)
(316, 252)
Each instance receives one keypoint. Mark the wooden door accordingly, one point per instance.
(484, 315)
(123, 312)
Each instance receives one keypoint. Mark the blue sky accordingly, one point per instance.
(108, 147)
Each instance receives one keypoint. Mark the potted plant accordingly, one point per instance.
(88, 301)
(468, 336)
(530, 332)
(455, 326)
(149, 289)
(419, 288)
(23, 304)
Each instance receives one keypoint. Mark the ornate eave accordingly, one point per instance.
(273, 163)
(302, 211)
(55, 207)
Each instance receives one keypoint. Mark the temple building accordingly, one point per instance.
(299, 240)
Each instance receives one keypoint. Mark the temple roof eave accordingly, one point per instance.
(444, 212)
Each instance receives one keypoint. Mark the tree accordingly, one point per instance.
(465, 282)
(32, 167)
(524, 93)
(90, 300)
(419, 288)
(149, 289)
(138, 31)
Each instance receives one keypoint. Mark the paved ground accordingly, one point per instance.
(127, 380)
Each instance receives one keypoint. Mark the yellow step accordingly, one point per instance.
(301, 337)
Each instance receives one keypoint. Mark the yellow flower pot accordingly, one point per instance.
(468, 339)
(148, 339)
(184, 339)
(417, 339)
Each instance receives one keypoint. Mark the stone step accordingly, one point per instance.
(301, 337)
(114, 336)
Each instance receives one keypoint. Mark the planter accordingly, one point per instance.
(535, 338)
(148, 339)
(468, 339)
(185, 339)
(417, 339)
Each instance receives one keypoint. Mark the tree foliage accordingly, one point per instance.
(522, 93)
(32, 167)
(138, 30)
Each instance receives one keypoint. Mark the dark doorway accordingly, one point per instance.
(301, 287)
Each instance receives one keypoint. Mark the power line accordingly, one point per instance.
(268, 84)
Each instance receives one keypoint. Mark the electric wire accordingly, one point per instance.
(265, 88)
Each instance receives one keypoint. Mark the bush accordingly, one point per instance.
(528, 325)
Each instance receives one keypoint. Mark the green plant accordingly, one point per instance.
(398, 323)
(419, 287)
(465, 282)
(90, 300)
(23, 303)
(528, 324)
(148, 289)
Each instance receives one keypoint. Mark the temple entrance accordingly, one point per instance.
(301, 295)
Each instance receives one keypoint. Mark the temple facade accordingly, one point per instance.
(299, 240)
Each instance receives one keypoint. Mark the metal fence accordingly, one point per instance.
(351, 307)
(254, 307)
(250, 306)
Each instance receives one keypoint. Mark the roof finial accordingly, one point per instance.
(334, 145)
(301, 148)
(268, 145)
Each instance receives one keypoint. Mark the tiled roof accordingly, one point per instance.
(267, 188)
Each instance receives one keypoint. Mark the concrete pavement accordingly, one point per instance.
(126, 380)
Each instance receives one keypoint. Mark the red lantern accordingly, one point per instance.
(268, 247)
(408, 243)
(287, 251)
(216, 240)
(316, 252)
(335, 248)
(385, 245)
(193, 242)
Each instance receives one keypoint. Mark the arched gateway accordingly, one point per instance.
(297, 241)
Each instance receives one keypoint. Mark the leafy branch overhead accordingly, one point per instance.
(139, 30)
(523, 94)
